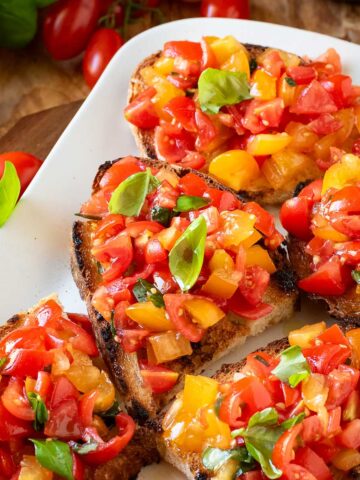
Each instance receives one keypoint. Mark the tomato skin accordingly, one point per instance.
(12, 427)
(172, 143)
(158, 378)
(314, 99)
(265, 221)
(301, 74)
(350, 435)
(254, 284)
(184, 49)
(312, 191)
(24, 363)
(283, 450)
(102, 46)
(141, 111)
(68, 26)
(25, 337)
(229, 8)
(182, 109)
(154, 251)
(307, 458)
(325, 358)
(78, 467)
(192, 184)
(63, 390)
(15, 402)
(331, 278)
(297, 472)
(253, 393)
(86, 409)
(26, 166)
(184, 325)
(295, 217)
(64, 421)
(238, 305)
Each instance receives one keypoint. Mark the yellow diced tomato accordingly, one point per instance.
(354, 339)
(30, 384)
(60, 364)
(32, 470)
(254, 237)
(285, 166)
(257, 255)
(168, 237)
(287, 92)
(345, 172)
(221, 284)
(106, 393)
(237, 226)
(235, 168)
(267, 143)
(304, 336)
(329, 233)
(223, 48)
(263, 85)
(164, 175)
(210, 39)
(346, 459)
(217, 432)
(149, 316)
(221, 260)
(199, 392)
(164, 66)
(357, 118)
(168, 346)
(203, 311)
(237, 62)
(302, 138)
(187, 433)
(83, 377)
(289, 59)
(315, 392)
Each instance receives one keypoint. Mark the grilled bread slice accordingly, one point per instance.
(343, 307)
(217, 341)
(191, 464)
(145, 138)
(139, 452)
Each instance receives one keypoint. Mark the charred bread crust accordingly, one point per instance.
(145, 138)
(344, 307)
(191, 464)
(218, 340)
(139, 452)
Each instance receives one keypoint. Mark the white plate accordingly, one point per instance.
(34, 244)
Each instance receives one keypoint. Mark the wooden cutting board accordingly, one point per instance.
(38, 133)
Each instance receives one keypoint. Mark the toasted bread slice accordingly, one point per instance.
(139, 452)
(343, 307)
(191, 464)
(217, 341)
(145, 138)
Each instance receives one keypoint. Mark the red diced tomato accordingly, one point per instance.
(341, 382)
(27, 363)
(254, 283)
(313, 100)
(331, 278)
(273, 63)
(154, 251)
(334, 335)
(264, 220)
(307, 458)
(340, 89)
(301, 74)
(184, 49)
(141, 111)
(283, 451)
(295, 217)
(120, 171)
(172, 143)
(312, 429)
(158, 378)
(182, 109)
(238, 305)
(325, 124)
(350, 435)
(64, 421)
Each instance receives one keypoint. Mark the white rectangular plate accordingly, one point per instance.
(34, 244)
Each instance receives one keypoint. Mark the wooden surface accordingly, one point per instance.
(30, 81)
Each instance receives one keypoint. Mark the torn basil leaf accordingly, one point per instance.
(145, 291)
(187, 203)
(9, 191)
(293, 367)
(55, 456)
(40, 411)
(3, 360)
(161, 215)
(290, 81)
(356, 276)
(214, 458)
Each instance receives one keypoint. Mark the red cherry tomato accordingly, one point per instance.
(307, 458)
(238, 305)
(154, 251)
(295, 217)
(25, 363)
(254, 284)
(141, 112)
(101, 48)
(12, 427)
(172, 143)
(227, 8)
(284, 447)
(264, 220)
(132, 339)
(330, 279)
(184, 49)
(26, 166)
(182, 109)
(68, 26)
(184, 325)
(15, 401)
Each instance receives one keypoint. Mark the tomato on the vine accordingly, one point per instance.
(227, 8)
(101, 48)
(26, 166)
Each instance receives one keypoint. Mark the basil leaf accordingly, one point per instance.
(268, 416)
(9, 191)
(84, 448)
(214, 458)
(55, 456)
(356, 276)
(263, 456)
(187, 255)
(293, 367)
(18, 22)
(290, 422)
(186, 203)
(217, 88)
(162, 215)
(40, 410)
(145, 291)
(290, 81)
(3, 360)
(128, 198)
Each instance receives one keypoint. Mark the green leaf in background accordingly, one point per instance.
(219, 87)
(18, 22)
(40, 410)
(55, 456)
(128, 197)
(186, 203)
(145, 291)
(214, 458)
(356, 276)
(9, 190)
(293, 367)
(187, 255)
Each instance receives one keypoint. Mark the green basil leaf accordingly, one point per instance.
(9, 191)
(40, 410)
(186, 203)
(356, 276)
(293, 367)
(161, 215)
(18, 23)
(128, 198)
(290, 422)
(145, 291)
(268, 416)
(214, 458)
(264, 459)
(3, 360)
(55, 456)
(217, 88)
(84, 448)
(187, 255)
(290, 81)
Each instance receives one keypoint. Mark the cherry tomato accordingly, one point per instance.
(14, 400)
(26, 166)
(312, 429)
(7, 465)
(260, 115)
(182, 109)
(192, 184)
(68, 26)
(172, 143)
(325, 358)
(132, 340)
(154, 251)
(254, 284)
(184, 49)
(101, 48)
(120, 171)
(264, 220)
(284, 447)
(163, 280)
(340, 88)
(141, 111)
(87, 403)
(227, 8)
(341, 382)
(193, 160)
(182, 323)
(325, 124)
(331, 278)
(350, 435)
(356, 147)
(254, 394)
(25, 337)
(12, 427)
(24, 363)
(238, 305)
(63, 390)
(295, 217)
(166, 195)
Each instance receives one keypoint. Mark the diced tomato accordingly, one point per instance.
(334, 423)
(238, 305)
(109, 226)
(166, 195)
(80, 339)
(193, 160)
(295, 217)
(118, 247)
(15, 401)
(26, 363)
(301, 74)
(340, 89)
(265, 221)
(158, 378)
(154, 251)
(356, 147)
(325, 358)
(313, 100)
(297, 472)
(97, 206)
(273, 63)
(326, 448)
(120, 171)
(253, 475)
(350, 435)
(291, 395)
(182, 109)
(132, 340)
(260, 364)
(207, 131)
(78, 469)
(63, 390)
(163, 280)
(331, 278)
(325, 124)
(64, 421)
(43, 384)
(349, 252)
(23, 337)
(254, 283)
(192, 184)
(179, 318)
(282, 454)
(254, 394)
(261, 115)
(7, 464)
(208, 59)
(81, 319)
(183, 49)
(312, 429)
(134, 229)
(334, 335)
(181, 82)
(50, 310)
(230, 410)
(172, 143)
(307, 458)
(141, 111)
(86, 407)
(312, 191)
(228, 202)
(12, 427)
(341, 382)
(188, 69)
(330, 58)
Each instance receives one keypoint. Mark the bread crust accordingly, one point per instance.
(217, 341)
(344, 307)
(145, 138)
